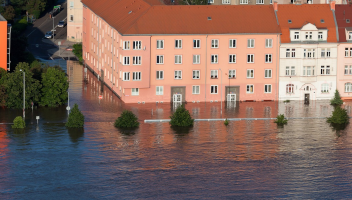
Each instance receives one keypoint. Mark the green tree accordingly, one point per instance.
(18, 122)
(127, 120)
(75, 118)
(54, 90)
(337, 99)
(3, 94)
(193, 2)
(14, 87)
(339, 116)
(8, 13)
(77, 50)
(181, 117)
(280, 120)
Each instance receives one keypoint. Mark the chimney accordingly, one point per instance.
(275, 6)
(332, 5)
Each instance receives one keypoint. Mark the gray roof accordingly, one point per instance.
(349, 28)
(2, 18)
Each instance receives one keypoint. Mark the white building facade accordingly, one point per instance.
(74, 20)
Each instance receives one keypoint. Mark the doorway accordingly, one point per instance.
(306, 98)
(231, 97)
(177, 98)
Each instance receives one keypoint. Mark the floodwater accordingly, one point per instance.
(305, 159)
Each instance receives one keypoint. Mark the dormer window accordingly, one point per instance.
(322, 21)
(320, 35)
(296, 36)
(350, 35)
(347, 20)
(289, 21)
(309, 35)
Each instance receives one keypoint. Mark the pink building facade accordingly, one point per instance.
(146, 64)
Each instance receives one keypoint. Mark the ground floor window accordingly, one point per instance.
(267, 88)
(348, 87)
(289, 88)
(195, 89)
(325, 88)
(135, 91)
(159, 90)
(214, 89)
(250, 88)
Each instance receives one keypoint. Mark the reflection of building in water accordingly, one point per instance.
(4, 165)
(75, 74)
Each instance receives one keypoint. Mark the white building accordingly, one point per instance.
(74, 20)
(308, 52)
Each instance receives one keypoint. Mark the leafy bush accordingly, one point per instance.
(287, 101)
(20, 26)
(54, 90)
(75, 118)
(339, 116)
(280, 120)
(18, 122)
(127, 120)
(337, 99)
(181, 117)
(226, 122)
(77, 50)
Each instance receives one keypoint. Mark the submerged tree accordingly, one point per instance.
(18, 122)
(54, 90)
(181, 118)
(281, 120)
(75, 118)
(127, 120)
(337, 99)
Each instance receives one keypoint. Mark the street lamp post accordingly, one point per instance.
(53, 27)
(24, 92)
(221, 92)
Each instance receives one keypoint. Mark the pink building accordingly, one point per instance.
(343, 15)
(148, 52)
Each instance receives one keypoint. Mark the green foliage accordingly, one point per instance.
(192, 2)
(20, 26)
(77, 50)
(75, 118)
(339, 116)
(181, 117)
(18, 122)
(287, 101)
(55, 86)
(226, 122)
(127, 120)
(280, 120)
(337, 99)
(8, 12)
(14, 87)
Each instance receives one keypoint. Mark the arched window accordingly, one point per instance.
(325, 88)
(348, 87)
(289, 88)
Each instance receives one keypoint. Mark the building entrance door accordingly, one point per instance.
(231, 97)
(306, 98)
(177, 98)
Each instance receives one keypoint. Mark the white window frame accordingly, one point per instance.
(248, 88)
(126, 45)
(260, 2)
(178, 59)
(290, 88)
(135, 91)
(250, 73)
(267, 87)
(232, 73)
(250, 43)
(348, 70)
(226, 1)
(178, 74)
(214, 74)
(137, 76)
(214, 59)
(266, 71)
(296, 36)
(196, 43)
(196, 59)
(195, 88)
(137, 60)
(126, 60)
(210, 1)
(348, 87)
(178, 44)
(232, 58)
(159, 59)
(159, 75)
(243, 1)
(325, 88)
(159, 44)
(214, 43)
(137, 45)
(269, 43)
(126, 76)
(214, 89)
(320, 35)
(268, 58)
(308, 35)
(159, 90)
(195, 74)
(251, 56)
(232, 43)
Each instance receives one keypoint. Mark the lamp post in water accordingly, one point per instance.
(24, 92)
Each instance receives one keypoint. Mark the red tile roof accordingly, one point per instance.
(342, 13)
(303, 14)
(161, 19)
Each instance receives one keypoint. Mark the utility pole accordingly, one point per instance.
(53, 27)
(24, 93)
(221, 92)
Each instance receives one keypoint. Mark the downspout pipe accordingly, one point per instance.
(206, 61)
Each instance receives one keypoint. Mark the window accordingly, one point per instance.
(126, 60)
(225, 1)
(160, 44)
(268, 58)
(213, 89)
(196, 59)
(250, 73)
(260, 1)
(348, 87)
(126, 76)
(71, 4)
(290, 53)
(71, 18)
(135, 91)
(350, 36)
(267, 88)
(268, 43)
(346, 52)
(137, 45)
(210, 1)
(159, 75)
(195, 89)
(348, 70)
(309, 35)
(250, 58)
(250, 43)
(214, 43)
(243, 1)
(290, 72)
(137, 76)
(196, 74)
(296, 36)
(308, 71)
(250, 88)
(309, 53)
(214, 59)
(196, 43)
(214, 74)
(160, 59)
(267, 73)
(232, 43)
(232, 73)
(325, 53)
(178, 59)
(178, 74)
(137, 60)
(159, 90)
(126, 45)
(324, 88)
(325, 70)
(178, 44)
(320, 35)
(232, 58)
(289, 88)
